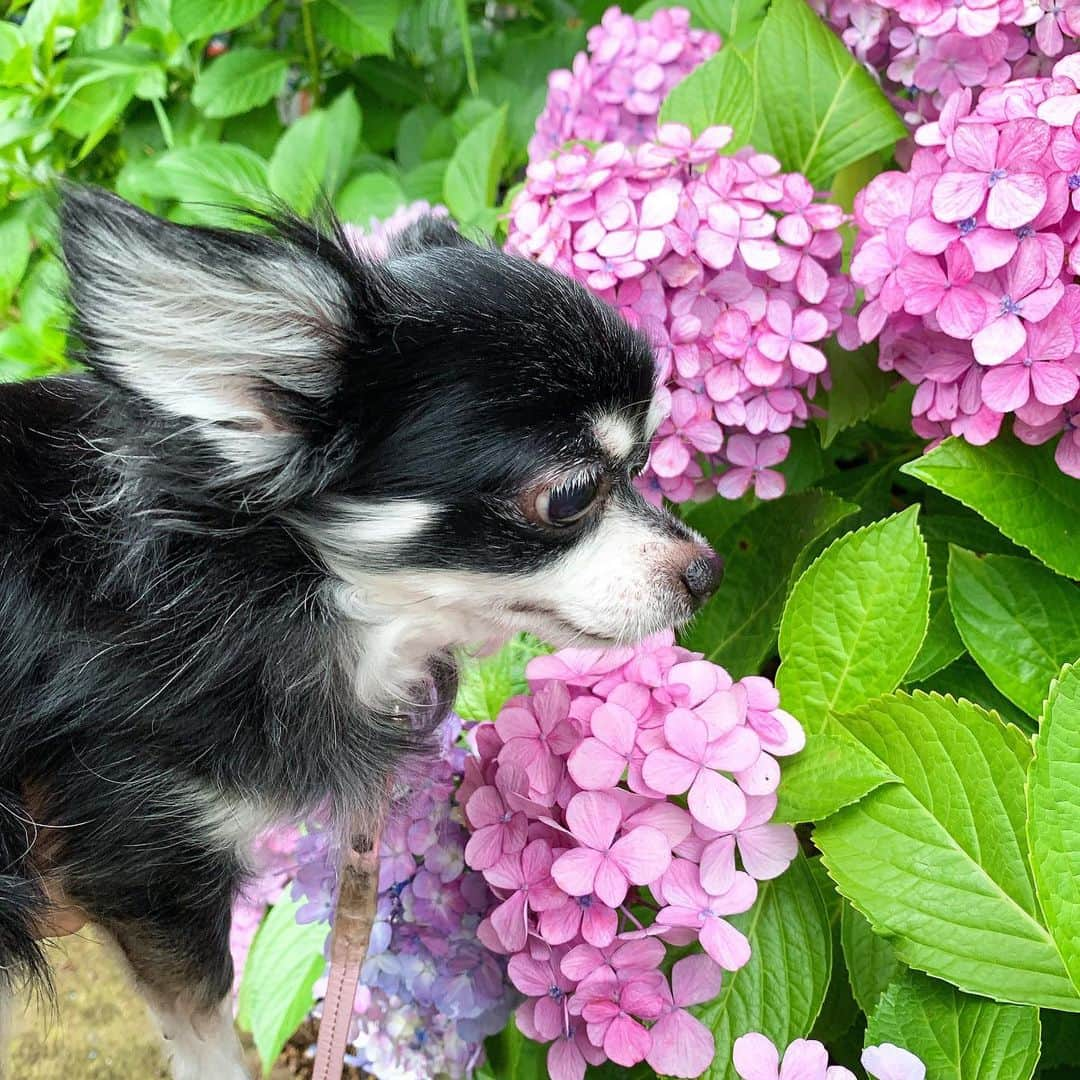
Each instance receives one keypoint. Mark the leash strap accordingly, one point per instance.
(355, 915)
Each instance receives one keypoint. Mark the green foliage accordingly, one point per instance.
(738, 627)
(855, 620)
(1018, 488)
(1019, 621)
(1054, 814)
(940, 861)
(721, 91)
(285, 960)
(487, 682)
(957, 1036)
(818, 108)
(193, 107)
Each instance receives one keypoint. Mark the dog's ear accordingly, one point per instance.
(237, 335)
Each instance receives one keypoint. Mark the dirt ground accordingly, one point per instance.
(102, 1031)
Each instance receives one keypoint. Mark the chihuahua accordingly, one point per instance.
(237, 555)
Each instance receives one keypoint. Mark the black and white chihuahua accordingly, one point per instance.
(236, 554)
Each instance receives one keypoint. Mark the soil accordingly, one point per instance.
(101, 1030)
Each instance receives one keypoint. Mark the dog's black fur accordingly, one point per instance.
(168, 641)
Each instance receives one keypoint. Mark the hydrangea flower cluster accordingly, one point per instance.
(431, 991)
(967, 262)
(614, 92)
(622, 806)
(728, 265)
(756, 1058)
(924, 51)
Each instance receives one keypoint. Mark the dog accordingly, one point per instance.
(237, 555)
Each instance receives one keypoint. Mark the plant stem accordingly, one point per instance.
(312, 51)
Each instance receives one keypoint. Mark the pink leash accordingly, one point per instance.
(355, 915)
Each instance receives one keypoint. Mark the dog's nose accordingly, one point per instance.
(702, 576)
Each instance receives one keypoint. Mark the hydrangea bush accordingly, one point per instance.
(831, 830)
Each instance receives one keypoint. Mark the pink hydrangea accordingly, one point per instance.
(756, 1058)
(616, 866)
(967, 262)
(728, 265)
(614, 92)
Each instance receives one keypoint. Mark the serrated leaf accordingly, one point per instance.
(720, 91)
(472, 176)
(957, 1036)
(942, 644)
(819, 107)
(870, 958)
(737, 627)
(963, 678)
(1054, 816)
(1019, 621)
(240, 80)
(285, 961)
(833, 771)
(485, 683)
(855, 620)
(1018, 488)
(780, 991)
(859, 386)
(360, 27)
(939, 861)
(201, 18)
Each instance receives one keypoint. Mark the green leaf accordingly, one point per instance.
(16, 56)
(373, 195)
(737, 627)
(240, 80)
(472, 177)
(781, 990)
(838, 1011)
(1018, 488)
(214, 174)
(942, 644)
(425, 181)
(859, 386)
(311, 157)
(957, 1036)
(819, 107)
(1054, 816)
(202, 18)
(285, 961)
(487, 682)
(1019, 621)
(511, 1054)
(360, 27)
(832, 772)
(963, 678)
(738, 21)
(939, 861)
(720, 91)
(855, 620)
(870, 958)
(14, 257)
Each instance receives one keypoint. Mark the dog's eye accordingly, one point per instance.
(569, 502)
